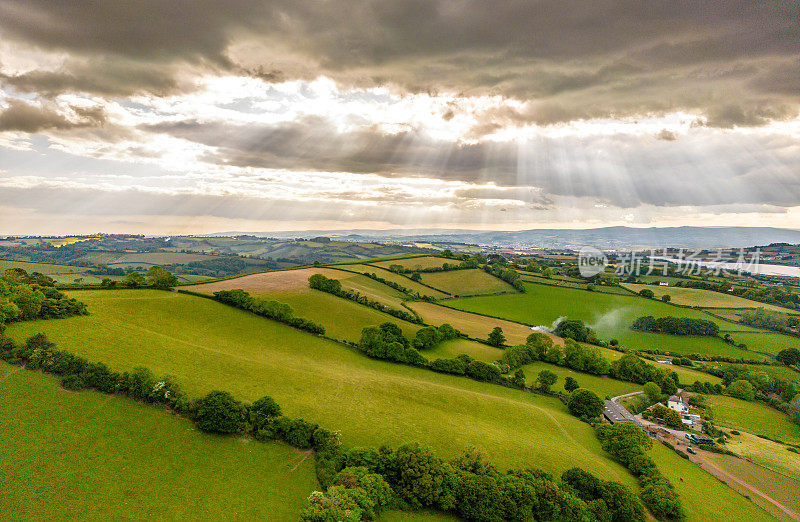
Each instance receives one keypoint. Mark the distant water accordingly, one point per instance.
(760, 268)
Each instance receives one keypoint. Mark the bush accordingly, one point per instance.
(741, 389)
(585, 403)
(546, 379)
(496, 337)
(570, 384)
(219, 412)
(646, 292)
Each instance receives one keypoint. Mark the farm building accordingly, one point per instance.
(615, 413)
(677, 404)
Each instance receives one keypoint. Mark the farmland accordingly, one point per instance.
(602, 386)
(755, 418)
(610, 315)
(412, 286)
(701, 298)
(208, 346)
(766, 453)
(417, 263)
(92, 456)
(42, 268)
(466, 282)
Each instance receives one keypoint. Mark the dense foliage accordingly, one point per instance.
(509, 275)
(676, 326)
(280, 312)
(23, 300)
(631, 368)
(576, 330)
(585, 404)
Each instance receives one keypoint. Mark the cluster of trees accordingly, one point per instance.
(676, 326)
(428, 337)
(156, 277)
(585, 404)
(540, 347)
(19, 276)
(280, 312)
(411, 476)
(103, 269)
(771, 320)
(628, 445)
(222, 266)
(670, 417)
(631, 368)
(789, 357)
(509, 275)
(388, 342)
(25, 302)
(575, 329)
(465, 365)
(334, 286)
(401, 288)
(748, 384)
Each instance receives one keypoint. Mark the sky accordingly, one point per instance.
(200, 116)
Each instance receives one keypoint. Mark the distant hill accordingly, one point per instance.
(607, 238)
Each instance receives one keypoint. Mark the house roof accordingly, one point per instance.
(675, 398)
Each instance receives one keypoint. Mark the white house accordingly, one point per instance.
(663, 283)
(677, 404)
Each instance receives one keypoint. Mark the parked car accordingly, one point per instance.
(691, 450)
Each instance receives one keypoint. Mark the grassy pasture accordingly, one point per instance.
(767, 342)
(602, 386)
(90, 456)
(702, 298)
(413, 286)
(755, 418)
(417, 263)
(704, 496)
(207, 346)
(474, 325)
(42, 268)
(466, 282)
(476, 350)
(766, 453)
(610, 315)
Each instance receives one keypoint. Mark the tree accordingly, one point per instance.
(741, 389)
(161, 278)
(666, 298)
(416, 276)
(546, 379)
(646, 292)
(263, 411)
(585, 403)
(135, 280)
(219, 412)
(789, 356)
(496, 337)
(570, 384)
(426, 338)
(653, 391)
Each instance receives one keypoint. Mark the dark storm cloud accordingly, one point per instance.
(577, 59)
(32, 117)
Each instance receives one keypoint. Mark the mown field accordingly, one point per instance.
(207, 346)
(473, 325)
(767, 453)
(413, 286)
(89, 456)
(417, 263)
(466, 282)
(704, 497)
(702, 298)
(341, 318)
(755, 418)
(609, 315)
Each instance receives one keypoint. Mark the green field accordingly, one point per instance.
(755, 418)
(466, 282)
(702, 298)
(417, 263)
(42, 268)
(766, 453)
(610, 315)
(89, 456)
(412, 286)
(703, 496)
(207, 346)
(476, 350)
(602, 386)
(568, 283)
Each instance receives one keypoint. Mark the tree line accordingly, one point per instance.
(334, 286)
(26, 297)
(275, 310)
(676, 326)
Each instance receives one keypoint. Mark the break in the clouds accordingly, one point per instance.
(449, 112)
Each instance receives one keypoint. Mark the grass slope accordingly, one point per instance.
(610, 315)
(417, 263)
(42, 268)
(207, 346)
(702, 298)
(466, 282)
(90, 456)
(476, 350)
(413, 286)
(766, 453)
(754, 417)
(602, 386)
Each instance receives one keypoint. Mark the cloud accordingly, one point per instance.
(27, 117)
(569, 60)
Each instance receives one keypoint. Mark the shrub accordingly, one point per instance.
(585, 403)
(546, 379)
(646, 292)
(741, 389)
(496, 337)
(219, 412)
(570, 384)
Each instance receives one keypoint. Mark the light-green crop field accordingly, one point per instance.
(412, 286)
(466, 282)
(609, 315)
(755, 418)
(767, 342)
(702, 298)
(476, 350)
(703, 496)
(602, 386)
(42, 268)
(766, 453)
(208, 346)
(418, 263)
(571, 284)
(89, 456)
